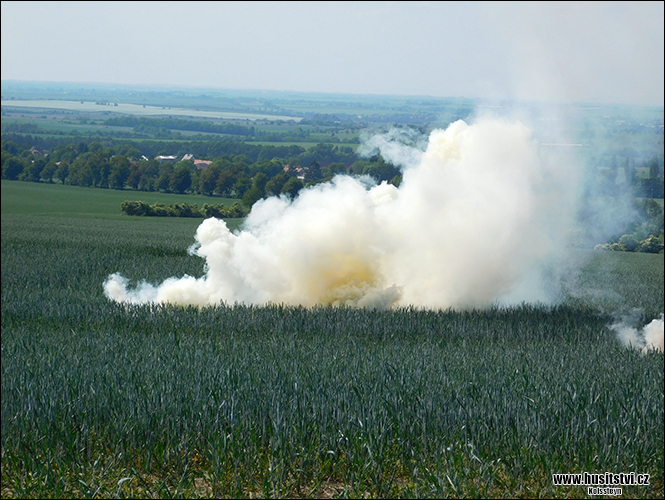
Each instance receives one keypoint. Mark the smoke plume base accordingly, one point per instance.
(479, 217)
(649, 338)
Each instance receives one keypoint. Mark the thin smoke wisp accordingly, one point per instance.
(648, 338)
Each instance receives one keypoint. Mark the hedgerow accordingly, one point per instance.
(182, 210)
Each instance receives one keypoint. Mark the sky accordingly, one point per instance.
(604, 52)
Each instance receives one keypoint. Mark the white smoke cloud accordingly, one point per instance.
(648, 338)
(479, 217)
(400, 146)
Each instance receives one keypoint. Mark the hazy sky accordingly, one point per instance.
(562, 51)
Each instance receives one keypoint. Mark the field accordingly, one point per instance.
(28, 198)
(76, 111)
(139, 110)
(111, 401)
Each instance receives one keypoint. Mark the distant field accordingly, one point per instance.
(62, 123)
(56, 200)
(305, 145)
(138, 110)
(79, 124)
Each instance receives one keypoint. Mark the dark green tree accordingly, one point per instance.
(251, 196)
(208, 179)
(32, 170)
(380, 170)
(181, 179)
(333, 169)
(47, 173)
(10, 147)
(62, 172)
(313, 172)
(227, 179)
(80, 173)
(242, 184)
(120, 171)
(12, 168)
(164, 179)
(292, 187)
(654, 168)
(274, 186)
(259, 182)
(94, 146)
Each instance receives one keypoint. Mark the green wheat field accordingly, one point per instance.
(102, 400)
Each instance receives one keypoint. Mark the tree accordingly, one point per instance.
(226, 180)
(242, 184)
(32, 170)
(10, 147)
(629, 242)
(128, 150)
(380, 170)
(181, 179)
(313, 172)
(12, 168)
(251, 196)
(268, 167)
(134, 176)
(292, 186)
(46, 175)
(64, 152)
(259, 182)
(208, 179)
(120, 171)
(274, 186)
(357, 167)
(164, 179)
(650, 209)
(80, 173)
(97, 164)
(654, 168)
(62, 172)
(334, 169)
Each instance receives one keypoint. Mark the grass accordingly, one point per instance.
(104, 400)
(55, 200)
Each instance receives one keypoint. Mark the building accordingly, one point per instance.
(166, 159)
(201, 163)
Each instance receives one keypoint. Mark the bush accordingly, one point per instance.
(652, 244)
(182, 210)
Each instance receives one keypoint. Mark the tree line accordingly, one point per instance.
(252, 172)
(203, 149)
(645, 233)
(141, 124)
(143, 128)
(231, 174)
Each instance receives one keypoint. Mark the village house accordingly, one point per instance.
(166, 159)
(201, 163)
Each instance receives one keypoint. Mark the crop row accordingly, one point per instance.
(99, 397)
